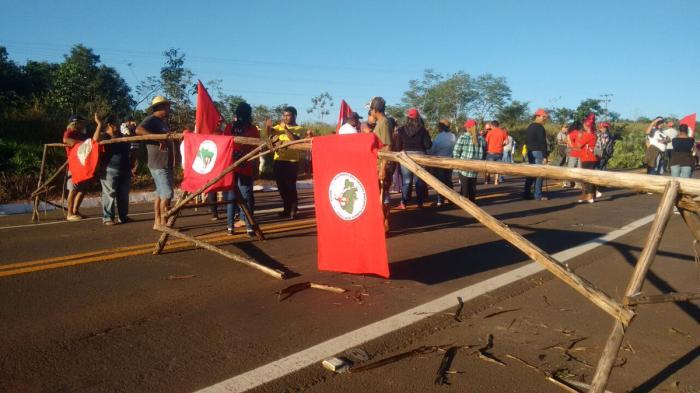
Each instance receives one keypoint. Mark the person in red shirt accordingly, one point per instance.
(75, 133)
(586, 143)
(574, 153)
(242, 126)
(495, 139)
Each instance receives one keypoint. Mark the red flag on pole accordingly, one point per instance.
(348, 210)
(345, 112)
(83, 160)
(208, 118)
(206, 156)
(690, 121)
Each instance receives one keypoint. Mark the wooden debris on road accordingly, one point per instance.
(458, 313)
(392, 359)
(445, 365)
(292, 289)
(171, 277)
(500, 312)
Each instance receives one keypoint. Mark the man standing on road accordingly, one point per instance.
(160, 156)
(670, 133)
(286, 164)
(496, 138)
(382, 129)
(536, 140)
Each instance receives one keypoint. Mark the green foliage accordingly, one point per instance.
(629, 147)
(321, 105)
(589, 105)
(513, 113)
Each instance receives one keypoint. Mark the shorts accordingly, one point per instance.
(80, 187)
(494, 156)
(163, 179)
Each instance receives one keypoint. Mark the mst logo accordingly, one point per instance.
(206, 157)
(347, 196)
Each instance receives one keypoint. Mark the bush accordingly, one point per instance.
(629, 149)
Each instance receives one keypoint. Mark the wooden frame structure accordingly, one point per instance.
(675, 192)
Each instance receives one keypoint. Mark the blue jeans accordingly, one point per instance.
(681, 171)
(407, 185)
(115, 193)
(494, 157)
(445, 176)
(508, 157)
(245, 186)
(534, 157)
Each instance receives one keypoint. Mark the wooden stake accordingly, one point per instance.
(43, 187)
(278, 274)
(580, 284)
(612, 346)
(35, 209)
(669, 297)
(163, 240)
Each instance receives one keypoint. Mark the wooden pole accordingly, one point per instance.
(35, 210)
(163, 240)
(42, 187)
(612, 346)
(690, 217)
(665, 298)
(238, 258)
(586, 288)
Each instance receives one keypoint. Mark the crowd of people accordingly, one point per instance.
(577, 145)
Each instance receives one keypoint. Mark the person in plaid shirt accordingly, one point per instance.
(469, 146)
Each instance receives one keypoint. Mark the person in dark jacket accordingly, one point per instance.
(114, 172)
(413, 138)
(536, 141)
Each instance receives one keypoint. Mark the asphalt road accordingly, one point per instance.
(87, 308)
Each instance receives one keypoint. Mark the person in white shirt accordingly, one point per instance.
(656, 139)
(351, 126)
(670, 133)
(443, 144)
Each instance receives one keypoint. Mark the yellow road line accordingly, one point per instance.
(122, 252)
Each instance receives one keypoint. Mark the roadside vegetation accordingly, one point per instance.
(36, 99)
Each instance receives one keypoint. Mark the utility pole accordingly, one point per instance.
(606, 98)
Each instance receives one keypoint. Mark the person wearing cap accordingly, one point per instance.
(586, 144)
(160, 156)
(114, 172)
(352, 124)
(469, 146)
(75, 133)
(496, 138)
(413, 139)
(604, 146)
(128, 128)
(443, 145)
(286, 161)
(382, 129)
(536, 141)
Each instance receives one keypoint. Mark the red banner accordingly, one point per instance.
(207, 117)
(349, 215)
(83, 160)
(345, 112)
(690, 122)
(205, 157)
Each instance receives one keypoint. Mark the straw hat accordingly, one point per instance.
(157, 100)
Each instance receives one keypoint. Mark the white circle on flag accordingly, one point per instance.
(347, 196)
(205, 158)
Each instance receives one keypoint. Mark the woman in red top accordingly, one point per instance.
(586, 144)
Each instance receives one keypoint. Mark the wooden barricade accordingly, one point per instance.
(675, 192)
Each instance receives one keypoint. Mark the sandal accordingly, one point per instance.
(73, 217)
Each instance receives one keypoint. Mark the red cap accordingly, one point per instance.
(470, 123)
(540, 112)
(412, 113)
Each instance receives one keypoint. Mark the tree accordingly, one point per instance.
(513, 113)
(82, 85)
(225, 103)
(438, 97)
(491, 94)
(589, 105)
(321, 104)
(562, 115)
(175, 83)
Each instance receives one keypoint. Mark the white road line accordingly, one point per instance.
(317, 353)
(277, 209)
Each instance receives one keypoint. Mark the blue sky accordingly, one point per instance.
(553, 53)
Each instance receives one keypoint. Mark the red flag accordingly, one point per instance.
(83, 160)
(345, 112)
(208, 117)
(348, 210)
(690, 121)
(206, 156)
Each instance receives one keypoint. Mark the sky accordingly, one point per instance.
(552, 53)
